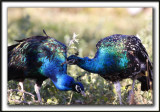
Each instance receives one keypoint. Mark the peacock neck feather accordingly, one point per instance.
(106, 60)
(63, 81)
(53, 69)
(89, 64)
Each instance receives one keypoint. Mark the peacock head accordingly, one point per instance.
(73, 59)
(78, 87)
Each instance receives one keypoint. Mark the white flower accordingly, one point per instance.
(74, 39)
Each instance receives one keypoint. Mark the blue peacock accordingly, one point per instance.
(39, 58)
(119, 57)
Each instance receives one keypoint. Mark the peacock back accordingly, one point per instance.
(121, 56)
(35, 57)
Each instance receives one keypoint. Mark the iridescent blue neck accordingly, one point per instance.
(57, 73)
(104, 62)
(99, 64)
(63, 82)
(89, 64)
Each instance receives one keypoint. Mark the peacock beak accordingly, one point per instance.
(72, 61)
(66, 62)
(83, 93)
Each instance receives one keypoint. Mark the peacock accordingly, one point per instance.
(39, 58)
(119, 57)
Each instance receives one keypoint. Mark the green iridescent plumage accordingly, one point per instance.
(27, 56)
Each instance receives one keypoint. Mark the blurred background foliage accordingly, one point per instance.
(92, 24)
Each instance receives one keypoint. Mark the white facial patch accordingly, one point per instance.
(78, 88)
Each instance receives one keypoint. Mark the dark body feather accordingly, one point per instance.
(24, 58)
(119, 57)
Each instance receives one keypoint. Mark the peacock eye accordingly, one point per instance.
(72, 61)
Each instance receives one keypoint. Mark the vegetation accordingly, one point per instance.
(92, 24)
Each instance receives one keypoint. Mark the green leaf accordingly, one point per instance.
(17, 97)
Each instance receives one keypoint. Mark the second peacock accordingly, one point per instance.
(119, 57)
